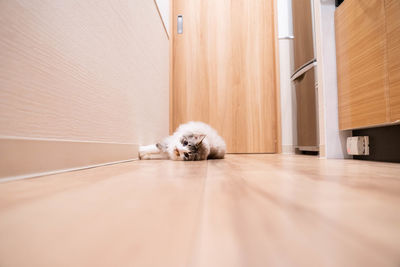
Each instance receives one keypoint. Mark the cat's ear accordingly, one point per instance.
(199, 138)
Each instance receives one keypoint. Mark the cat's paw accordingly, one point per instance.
(143, 156)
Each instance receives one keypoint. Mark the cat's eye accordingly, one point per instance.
(186, 154)
(185, 143)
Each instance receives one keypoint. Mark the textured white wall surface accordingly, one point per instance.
(331, 138)
(288, 96)
(287, 93)
(164, 7)
(285, 23)
(83, 70)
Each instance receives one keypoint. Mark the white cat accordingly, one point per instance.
(191, 141)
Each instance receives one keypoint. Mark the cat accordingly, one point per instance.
(191, 141)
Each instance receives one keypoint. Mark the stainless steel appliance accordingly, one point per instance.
(304, 76)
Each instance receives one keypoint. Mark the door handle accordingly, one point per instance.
(180, 24)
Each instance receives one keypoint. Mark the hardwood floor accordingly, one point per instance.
(245, 210)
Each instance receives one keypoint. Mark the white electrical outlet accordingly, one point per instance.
(358, 145)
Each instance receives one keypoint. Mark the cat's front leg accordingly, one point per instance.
(150, 152)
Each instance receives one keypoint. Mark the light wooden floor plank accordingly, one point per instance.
(245, 210)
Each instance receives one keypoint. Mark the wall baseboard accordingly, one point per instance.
(288, 149)
(24, 158)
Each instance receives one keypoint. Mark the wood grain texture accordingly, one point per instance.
(392, 8)
(303, 42)
(224, 71)
(83, 70)
(361, 59)
(245, 210)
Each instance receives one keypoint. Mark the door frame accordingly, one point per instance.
(278, 144)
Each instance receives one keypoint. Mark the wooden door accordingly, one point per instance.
(224, 73)
(393, 51)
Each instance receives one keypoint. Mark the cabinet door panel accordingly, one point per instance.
(361, 53)
(393, 46)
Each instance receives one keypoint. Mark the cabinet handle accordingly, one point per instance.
(288, 37)
(303, 70)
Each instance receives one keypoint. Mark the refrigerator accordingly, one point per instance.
(304, 76)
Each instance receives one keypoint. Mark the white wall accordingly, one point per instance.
(285, 24)
(286, 64)
(332, 141)
(79, 71)
(164, 8)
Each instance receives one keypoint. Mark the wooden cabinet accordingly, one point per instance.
(393, 56)
(367, 47)
(360, 52)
